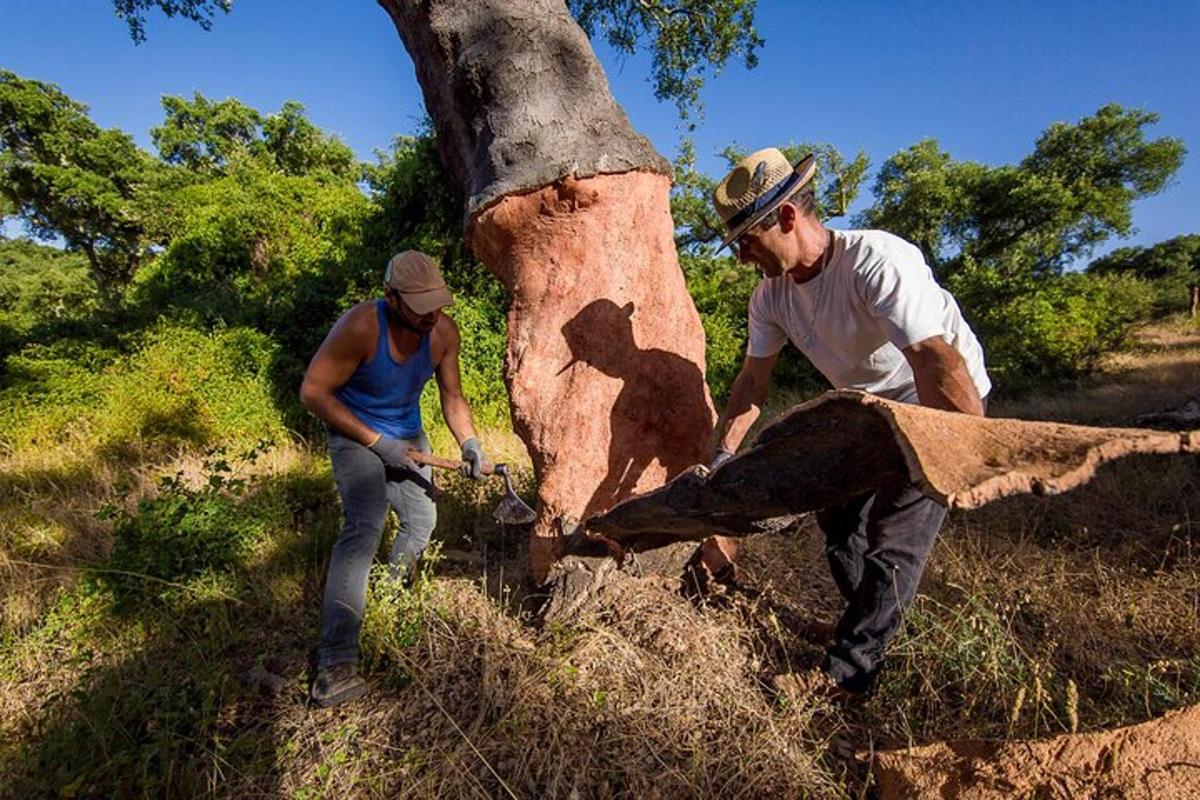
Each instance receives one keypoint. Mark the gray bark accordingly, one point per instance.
(517, 96)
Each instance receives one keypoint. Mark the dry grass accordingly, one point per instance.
(1160, 371)
(645, 694)
(645, 697)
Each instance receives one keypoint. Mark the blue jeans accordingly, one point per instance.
(366, 493)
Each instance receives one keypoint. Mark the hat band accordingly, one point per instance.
(763, 200)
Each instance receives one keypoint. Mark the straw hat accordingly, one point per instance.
(416, 277)
(758, 185)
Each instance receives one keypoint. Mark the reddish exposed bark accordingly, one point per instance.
(605, 346)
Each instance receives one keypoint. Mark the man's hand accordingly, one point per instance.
(720, 457)
(472, 456)
(393, 452)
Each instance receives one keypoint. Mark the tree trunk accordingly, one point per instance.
(1194, 307)
(569, 207)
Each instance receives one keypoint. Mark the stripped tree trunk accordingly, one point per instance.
(569, 207)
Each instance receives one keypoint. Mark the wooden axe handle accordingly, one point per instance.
(431, 460)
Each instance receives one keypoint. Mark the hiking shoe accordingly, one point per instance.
(338, 684)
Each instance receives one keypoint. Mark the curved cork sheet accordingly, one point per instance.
(1158, 759)
(845, 443)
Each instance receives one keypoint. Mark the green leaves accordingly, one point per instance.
(210, 136)
(688, 39)
(198, 11)
(1073, 192)
(1173, 266)
(204, 135)
(64, 176)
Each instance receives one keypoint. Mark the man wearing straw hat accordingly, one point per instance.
(365, 384)
(864, 308)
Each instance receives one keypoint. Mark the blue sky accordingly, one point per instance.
(983, 78)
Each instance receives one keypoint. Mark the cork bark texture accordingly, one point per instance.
(517, 96)
(1159, 759)
(845, 443)
(605, 363)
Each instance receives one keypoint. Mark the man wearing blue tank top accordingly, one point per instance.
(865, 309)
(365, 384)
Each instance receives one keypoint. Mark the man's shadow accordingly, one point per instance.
(661, 412)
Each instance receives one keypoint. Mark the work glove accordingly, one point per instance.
(472, 456)
(393, 452)
(720, 457)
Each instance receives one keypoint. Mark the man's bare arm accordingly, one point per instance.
(449, 379)
(746, 398)
(335, 361)
(942, 378)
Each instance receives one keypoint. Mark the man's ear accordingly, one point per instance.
(788, 214)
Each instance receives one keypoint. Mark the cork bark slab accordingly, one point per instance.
(846, 443)
(1159, 759)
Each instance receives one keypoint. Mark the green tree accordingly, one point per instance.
(300, 148)
(1173, 266)
(66, 177)
(920, 195)
(1074, 191)
(206, 136)
(1177, 258)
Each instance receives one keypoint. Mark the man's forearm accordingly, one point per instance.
(741, 410)
(458, 418)
(948, 387)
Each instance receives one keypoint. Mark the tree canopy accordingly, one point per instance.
(66, 177)
(205, 135)
(199, 11)
(688, 38)
(1174, 259)
(1074, 191)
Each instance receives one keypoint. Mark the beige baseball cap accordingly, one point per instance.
(416, 277)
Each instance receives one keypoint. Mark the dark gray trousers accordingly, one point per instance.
(876, 545)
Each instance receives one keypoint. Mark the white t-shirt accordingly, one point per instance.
(874, 297)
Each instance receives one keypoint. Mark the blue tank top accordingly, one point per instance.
(386, 395)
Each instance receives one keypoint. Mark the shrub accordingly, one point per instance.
(396, 615)
(239, 244)
(178, 386)
(721, 291)
(1036, 330)
(184, 532)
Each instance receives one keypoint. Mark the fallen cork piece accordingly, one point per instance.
(845, 443)
(1159, 759)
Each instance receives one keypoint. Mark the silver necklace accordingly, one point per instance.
(811, 324)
